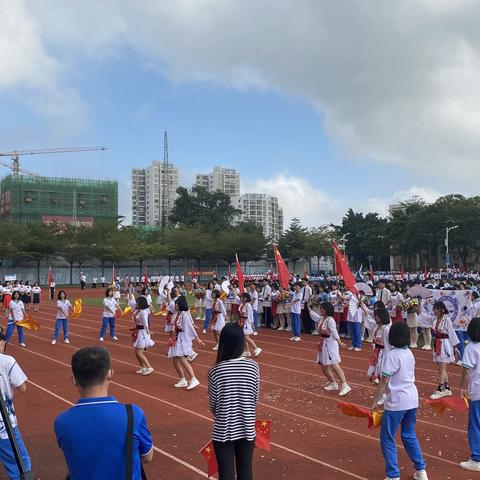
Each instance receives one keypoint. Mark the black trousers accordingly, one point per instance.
(82, 285)
(239, 454)
(267, 317)
(308, 323)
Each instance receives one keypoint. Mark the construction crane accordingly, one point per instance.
(16, 154)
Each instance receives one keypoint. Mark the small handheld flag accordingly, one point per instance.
(352, 410)
(29, 323)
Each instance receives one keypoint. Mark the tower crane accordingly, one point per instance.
(16, 154)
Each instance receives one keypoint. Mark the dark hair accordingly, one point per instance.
(142, 303)
(378, 304)
(399, 335)
(15, 295)
(473, 329)
(232, 342)
(182, 304)
(90, 366)
(475, 294)
(328, 308)
(440, 306)
(216, 294)
(246, 296)
(60, 292)
(109, 289)
(383, 315)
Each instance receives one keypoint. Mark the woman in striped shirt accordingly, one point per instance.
(233, 392)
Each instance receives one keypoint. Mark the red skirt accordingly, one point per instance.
(274, 309)
(339, 317)
(398, 317)
(6, 300)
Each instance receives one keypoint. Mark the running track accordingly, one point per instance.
(310, 438)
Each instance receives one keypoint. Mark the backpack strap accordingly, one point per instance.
(129, 443)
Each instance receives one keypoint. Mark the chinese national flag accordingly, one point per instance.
(262, 439)
(425, 273)
(282, 269)
(49, 278)
(29, 323)
(352, 410)
(402, 273)
(145, 277)
(343, 269)
(209, 453)
(240, 276)
(441, 405)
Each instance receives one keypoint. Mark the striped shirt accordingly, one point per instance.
(233, 393)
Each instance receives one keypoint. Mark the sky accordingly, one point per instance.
(329, 105)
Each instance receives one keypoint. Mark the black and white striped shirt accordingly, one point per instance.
(233, 393)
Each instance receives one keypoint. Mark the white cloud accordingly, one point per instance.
(298, 198)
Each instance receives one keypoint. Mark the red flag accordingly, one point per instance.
(425, 273)
(343, 269)
(402, 273)
(145, 276)
(240, 276)
(49, 277)
(229, 273)
(262, 439)
(441, 405)
(372, 275)
(209, 453)
(352, 410)
(282, 269)
(113, 273)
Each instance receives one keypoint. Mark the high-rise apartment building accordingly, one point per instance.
(262, 209)
(226, 180)
(151, 187)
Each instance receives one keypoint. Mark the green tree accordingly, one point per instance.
(74, 245)
(293, 242)
(319, 243)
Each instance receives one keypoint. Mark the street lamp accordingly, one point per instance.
(343, 243)
(447, 254)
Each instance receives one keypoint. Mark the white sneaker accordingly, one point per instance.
(182, 383)
(280, 329)
(420, 475)
(459, 363)
(356, 349)
(54, 342)
(115, 338)
(392, 478)
(440, 394)
(204, 331)
(293, 338)
(246, 354)
(315, 332)
(428, 347)
(101, 339)
(351, 348)
(141, 370)
(255, 333)
(215, 348)
(413, 345)
(288, 329)
(471, 465)
(192, 357)
(22, 345)
(346, 388)
(147, 371)
(297, 339)
(193, 383)
(330, 387)
(257, 352)
(66, 340)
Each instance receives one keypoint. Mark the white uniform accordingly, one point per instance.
(141, 339)
(220, 313)
(445, 340)
(246, 318)
(328, 350)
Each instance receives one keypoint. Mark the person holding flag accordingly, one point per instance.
(16, 313)
(64, 308)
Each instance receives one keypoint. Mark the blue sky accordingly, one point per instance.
(324, 124)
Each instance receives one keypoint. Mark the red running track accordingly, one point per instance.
(310, 439)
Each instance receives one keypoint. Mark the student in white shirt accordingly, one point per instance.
(36, 292)
(252, 289)
(471, 373)
(12, 380)
(52, 289)
(102, 279)
(296, 311)
(141, 335)
(208, 306)
(27, 295)
(16, 313)
(64, 308)
(110, 306)
(218, 317)
(401, 404)
(383, 294)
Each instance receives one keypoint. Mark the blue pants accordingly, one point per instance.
(20, 330)
(355, 331)
(208, 317)
(255, 320)
(61, 322)
(390, 423)
(296, 324)
(473, 430)
(462, 337)
(106, 321)
(7, 458)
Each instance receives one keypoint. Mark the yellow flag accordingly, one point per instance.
(29, 323)
(77, 307)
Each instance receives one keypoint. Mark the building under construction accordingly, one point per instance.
(35, 199)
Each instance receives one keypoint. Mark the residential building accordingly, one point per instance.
(263, 210)
(151, 187)
(226, 180)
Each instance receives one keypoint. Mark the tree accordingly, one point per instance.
(319, 243)
(293, 242)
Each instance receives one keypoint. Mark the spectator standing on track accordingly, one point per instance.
(233, 393)
(64, 308)
(102, 279)
(12, 379)
(83, 280)
(52, 289)
(93, 433)
(94, 282)
(36, 292)
(401, 404)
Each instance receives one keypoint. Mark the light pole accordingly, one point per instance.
(343, 243)
(447, 254)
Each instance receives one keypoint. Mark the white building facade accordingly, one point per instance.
(226, 180)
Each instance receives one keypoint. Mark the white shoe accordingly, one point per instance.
(420, 475)
(246, 354)
(315, 332)
(204, 331)
(459, 363)
(288, 329)
(357, 349)
(427, 347)
(193, 383)
(147, 371)
(255, 333)
(22, 345)
(351, 348)
(369, 340)
(182, 383)
(280, 329)
(141, 370)
(297, 339)
(440, 394)
(330, 387)
(257, 352)
(115, 338)
(66, 341)
(192, 357)
(471, 465)
(413, 345)
(346, 388)
(392, 478)
(54, 342)
(101, 339)
(293, 338)
(215, 348)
